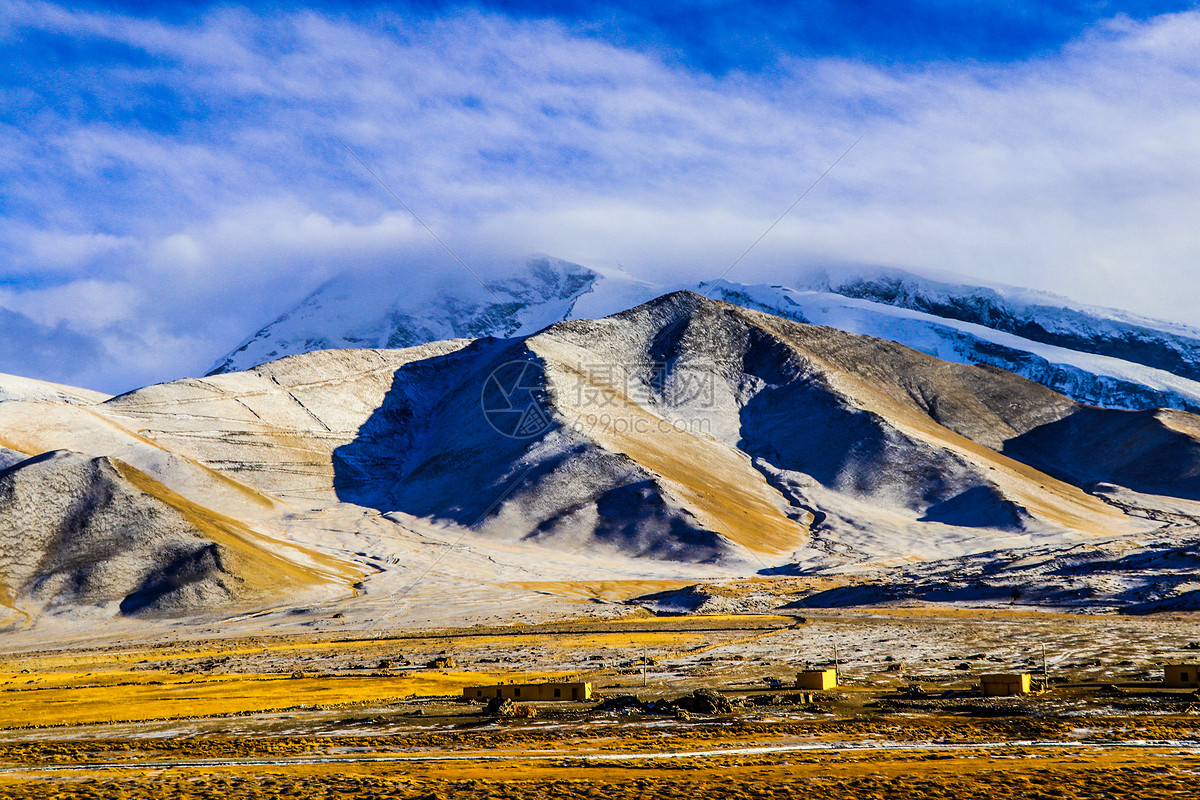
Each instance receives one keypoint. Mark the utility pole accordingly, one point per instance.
(1045, 671)
(837, 667)
(643, 667)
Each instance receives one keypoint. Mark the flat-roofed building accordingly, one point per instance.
(1183, 676)
(1005, 684)
(531, 692)
(819, 679)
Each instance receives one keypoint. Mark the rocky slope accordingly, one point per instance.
(1140, 576)
(84, 535)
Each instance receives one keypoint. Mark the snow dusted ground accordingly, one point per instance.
(14, 387)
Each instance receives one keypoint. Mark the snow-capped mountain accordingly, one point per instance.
(1098, 379)
(1098, 356)
(354, 311)
(1036, 316)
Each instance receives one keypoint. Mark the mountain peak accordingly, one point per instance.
(680, 301)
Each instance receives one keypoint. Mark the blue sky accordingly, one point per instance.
(171, 179)
(717, 36)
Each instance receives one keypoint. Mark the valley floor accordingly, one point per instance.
(307, 716)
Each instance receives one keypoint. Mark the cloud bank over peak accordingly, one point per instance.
(167, 187)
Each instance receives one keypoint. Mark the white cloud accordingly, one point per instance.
(53, 251)
(90, 304)
(1077, 172)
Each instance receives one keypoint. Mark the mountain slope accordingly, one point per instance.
(743, 429)
(684, 436)
(274, 427)
(684, 429)
(1157, 573)
(1089, 378)
(14, 387)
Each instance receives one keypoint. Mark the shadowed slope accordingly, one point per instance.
(431, 451)
(1157, 452)
(689, 428)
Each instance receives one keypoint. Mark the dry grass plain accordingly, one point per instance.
(309, 717)
(1117, 774)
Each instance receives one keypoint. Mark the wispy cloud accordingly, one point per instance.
(192, 167)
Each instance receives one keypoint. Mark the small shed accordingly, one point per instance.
(531, 692)
(1005, 684)
(819, 679)
(1183, 676)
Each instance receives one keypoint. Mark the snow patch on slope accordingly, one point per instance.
(1036, 316)
(16, 388)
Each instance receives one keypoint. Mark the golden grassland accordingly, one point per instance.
(583, 736)
(494, 762)
(32, 701)
(917, 774)
(577, 634)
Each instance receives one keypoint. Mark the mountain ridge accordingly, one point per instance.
(1097, 356)
(684, 436)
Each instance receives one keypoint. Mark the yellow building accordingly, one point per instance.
(1005, 684)
(820, 679)
(531, 692)
(1181, 675)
